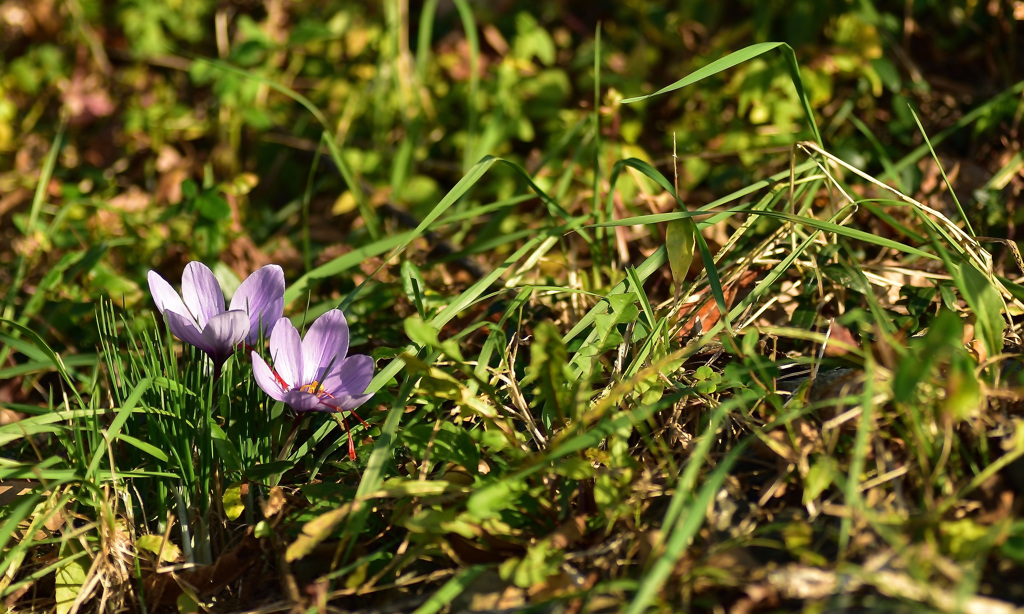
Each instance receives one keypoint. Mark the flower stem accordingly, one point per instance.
(286, 448)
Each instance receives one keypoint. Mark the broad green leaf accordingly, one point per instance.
(449, 442)
(234, 505)
(819, 477)
(492, 499)
(963, 390)
(187, 603)
(213, 207)
(943, 337)
(167, 551)
(424, 334)
(575, 468)
(679, 244)
(987, 304)
(71, 575)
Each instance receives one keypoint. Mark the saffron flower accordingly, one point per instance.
(315, 373)
(198, 316)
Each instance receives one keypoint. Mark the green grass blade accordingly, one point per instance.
(450, 590)
(1012, 92)
(945, 179)
(687, 511)
(738, 57)
(48, 354)
(39, 197)
(837, 229)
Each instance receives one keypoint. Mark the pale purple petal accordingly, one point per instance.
(286, 351)
(261, 295)
(185, 329)
(300, 400)
(164, 296)
(348, 384)
(224, 332)
(201, 292)
(325, 345)
(346, 402)
(351, 377)
(266, 379)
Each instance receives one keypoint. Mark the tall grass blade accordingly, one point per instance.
(738, 57)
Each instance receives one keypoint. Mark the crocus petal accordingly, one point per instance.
(164, 296)
(351, 377)
(224, 331)
(346, 402)
(261, 295)
(201, 292)
(325, 345)
(286, 351)
(300, 400)
(265, 378)
(348, 384)
(185, 329)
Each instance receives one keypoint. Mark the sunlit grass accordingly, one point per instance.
(590, 394)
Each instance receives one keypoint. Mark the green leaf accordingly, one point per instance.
(965, 539)
(316, 531)
(943, 336)
(226, 450)
(233, 503)
(819, 477)
(575, 468)
(986, 303)
(425, 334)
(450, 443)
(150, 449)
(495, 497)
(258, 473)
(549, 359)
(187, 604)
(213, 207)
(44, 177)
(540, 563)
(963, 390)
(71, 574)
(164, 549)
(679, 243)
(413, 286)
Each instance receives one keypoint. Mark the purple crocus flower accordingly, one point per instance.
(315, 373)
(198, 316)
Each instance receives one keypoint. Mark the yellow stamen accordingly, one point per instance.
(315, 389)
